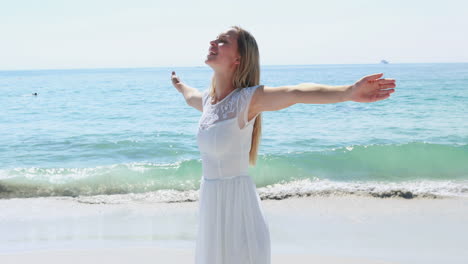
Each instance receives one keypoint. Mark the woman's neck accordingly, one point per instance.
(223, 84)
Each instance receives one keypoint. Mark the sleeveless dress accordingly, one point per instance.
(232, 228)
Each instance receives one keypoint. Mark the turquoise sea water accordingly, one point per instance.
(128, 131)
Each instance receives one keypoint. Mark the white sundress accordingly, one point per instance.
(232, 228)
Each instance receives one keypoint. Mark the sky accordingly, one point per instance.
(64, 34)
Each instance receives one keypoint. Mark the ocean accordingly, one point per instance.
(107, 135)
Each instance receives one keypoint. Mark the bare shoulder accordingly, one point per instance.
(194, 98)
(268, 98)
(255, 101)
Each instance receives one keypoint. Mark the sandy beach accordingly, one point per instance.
(117, 151)
(157, 255)
(347, 229)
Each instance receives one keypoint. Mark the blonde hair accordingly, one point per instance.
(247, 74)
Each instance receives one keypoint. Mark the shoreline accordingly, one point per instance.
(298, 188)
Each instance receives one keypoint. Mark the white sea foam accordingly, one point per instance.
(409, 189)
(303, 188)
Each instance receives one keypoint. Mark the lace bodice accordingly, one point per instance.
(233, 105)
(225, 135)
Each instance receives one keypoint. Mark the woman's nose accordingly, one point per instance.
(213, 42)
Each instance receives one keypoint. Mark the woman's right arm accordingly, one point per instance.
(192, 96)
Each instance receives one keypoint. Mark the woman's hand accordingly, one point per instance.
(371, 89)
(192, 96)
(176, 82)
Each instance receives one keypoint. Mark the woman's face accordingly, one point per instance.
(223, 53)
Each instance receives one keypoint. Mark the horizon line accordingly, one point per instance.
(202, 66)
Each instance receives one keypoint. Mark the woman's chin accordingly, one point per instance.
(209, 63)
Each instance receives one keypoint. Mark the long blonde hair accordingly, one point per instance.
(247, 74)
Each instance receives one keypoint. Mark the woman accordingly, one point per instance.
(232, 226)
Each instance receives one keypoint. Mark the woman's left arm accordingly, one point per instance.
(368, 89)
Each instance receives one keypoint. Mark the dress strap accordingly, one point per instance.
(246, 95)
(205, 94)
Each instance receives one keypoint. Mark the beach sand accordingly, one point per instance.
(348, 229)
(156, 255)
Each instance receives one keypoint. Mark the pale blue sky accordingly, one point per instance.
(56, 34)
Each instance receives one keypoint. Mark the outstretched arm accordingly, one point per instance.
(192, 96)
(368, 89)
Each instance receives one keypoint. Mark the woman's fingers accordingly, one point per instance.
(373, 77)
(386, 81)
(174, 78)
(387, 85)
(380, 95)
(386, 92)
